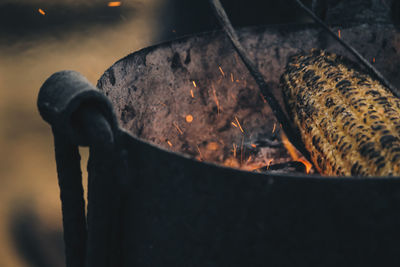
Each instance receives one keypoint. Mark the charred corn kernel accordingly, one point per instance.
(349, 122)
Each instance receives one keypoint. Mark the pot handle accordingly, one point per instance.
(80, 115)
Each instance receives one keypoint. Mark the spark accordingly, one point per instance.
(194, 84)
(238, 123)
(41, 11)
(198, 149)
(339, 34)
(169, 143)
(373, 60)
(215, 98)
(234, 124)
(177, 127)
(234, 150)
(253, 145)
(273, 130)
(232, 77)
(189, 118)
(114, 4)
(191, 93)
(222, 72)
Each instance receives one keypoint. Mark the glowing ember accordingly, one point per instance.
(191, 93)
(189, 118)
(232, 77)
(373, 60)
(194, 84)
(339, 34)
(234, 124)
(169, 143)
(253, 145)
(114, 4)
(231, 162)
(213, 146)
(41, 11)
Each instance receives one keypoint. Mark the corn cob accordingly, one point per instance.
(349, 122)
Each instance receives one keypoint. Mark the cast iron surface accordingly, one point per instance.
(177, 211)
(180, 212)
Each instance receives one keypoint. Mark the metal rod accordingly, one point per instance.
(266, 91)
(351, 49)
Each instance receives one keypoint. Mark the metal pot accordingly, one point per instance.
(153, 206)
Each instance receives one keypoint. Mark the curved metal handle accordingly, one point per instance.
(81, 115)
(65, 101)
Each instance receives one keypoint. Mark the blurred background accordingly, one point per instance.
(40, 37)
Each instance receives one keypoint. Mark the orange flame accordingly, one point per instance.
(293, 152)
(114, 4)
(306, 163)
(41, 11)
